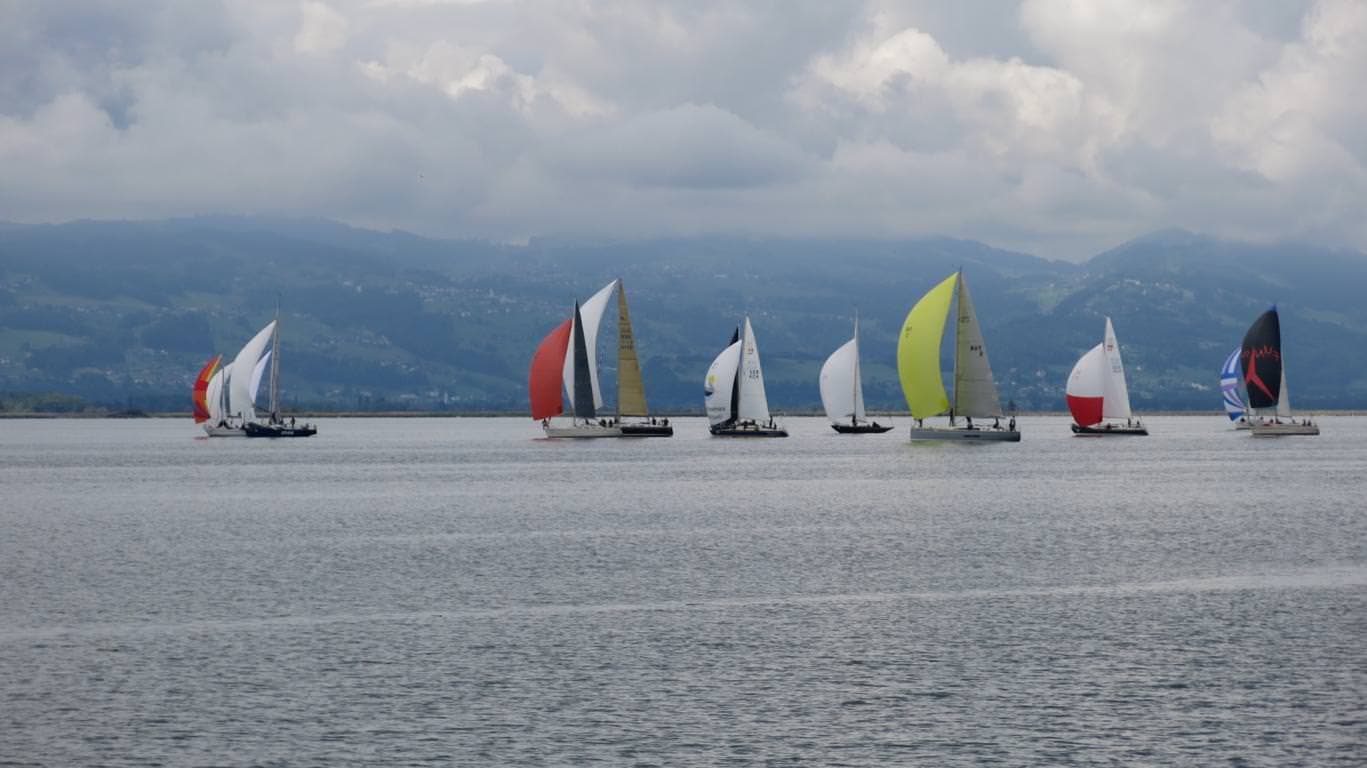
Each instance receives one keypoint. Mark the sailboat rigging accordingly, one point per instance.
(1098, 396)
(1265, 379)
(842, 390)
(734, 391)
(918, 367)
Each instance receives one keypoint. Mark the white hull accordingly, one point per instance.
(1283, 429)
(581, 431)
(977, 434)
(213, 430)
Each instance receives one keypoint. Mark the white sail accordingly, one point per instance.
(213, 395)
(257, 373)
(753, 405)
(840, 386)
(239, 386)
(1116, 400)
(975, 395)
(592, 313)
(1284, 401)
(721, 379)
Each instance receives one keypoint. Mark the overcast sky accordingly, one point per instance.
(1056, 127)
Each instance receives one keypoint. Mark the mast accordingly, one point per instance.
(854, 380)
(735, 388)
(275, 367)
(959, 290)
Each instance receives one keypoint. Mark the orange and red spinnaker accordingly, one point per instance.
(548, 366)
(202, 389)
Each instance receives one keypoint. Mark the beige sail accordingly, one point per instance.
(631, 394)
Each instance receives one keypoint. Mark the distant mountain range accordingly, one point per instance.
(125, 313)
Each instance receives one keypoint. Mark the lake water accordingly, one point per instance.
(454, 591)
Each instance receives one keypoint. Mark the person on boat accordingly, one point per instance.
(875, 425)
(996, 422)
(1011, 425)
(969, 419)
(665, 423)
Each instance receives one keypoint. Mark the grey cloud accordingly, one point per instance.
(1035, 126)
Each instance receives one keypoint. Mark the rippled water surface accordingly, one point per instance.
(430, 592)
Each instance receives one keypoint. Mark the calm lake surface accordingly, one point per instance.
(455, 591)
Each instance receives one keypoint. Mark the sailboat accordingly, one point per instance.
(631, 393)
(918, 366)
(229, 394)
(1229, 389)
(1265, 379)
(842, 391)
(734, 391)
(1097, 392)
(566, 358)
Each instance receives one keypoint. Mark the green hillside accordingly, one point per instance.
(125, 313)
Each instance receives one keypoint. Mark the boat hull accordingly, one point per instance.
(213, 430)
(581, 431)
(1101, 430)
(646, 430)
(1283, 429)
(964, 434)
(280, 430)
(861, 429)
(747, 430)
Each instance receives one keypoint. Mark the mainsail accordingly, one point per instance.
(720, 384)
(842, 392)
(631, 394)
(1117, 397)
(918, 351)
(975, 395)
(543, 380)
(1261, 356)
(239, 386)
(753, 405)
(1229, 387)
(200, 393)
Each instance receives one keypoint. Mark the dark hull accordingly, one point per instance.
(861, 429)
(280, 430)
(1110, 429)
(748, 431)
(646, 430)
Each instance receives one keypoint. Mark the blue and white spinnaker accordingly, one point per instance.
(1229, 387)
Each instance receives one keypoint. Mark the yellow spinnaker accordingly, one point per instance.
(918, 351)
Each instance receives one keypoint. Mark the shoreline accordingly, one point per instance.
(116, 415)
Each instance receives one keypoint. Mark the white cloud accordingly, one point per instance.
(321, 29)
(1061, 127)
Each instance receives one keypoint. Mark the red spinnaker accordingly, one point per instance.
(202, 388)
(548, 366)
(1086, 410)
